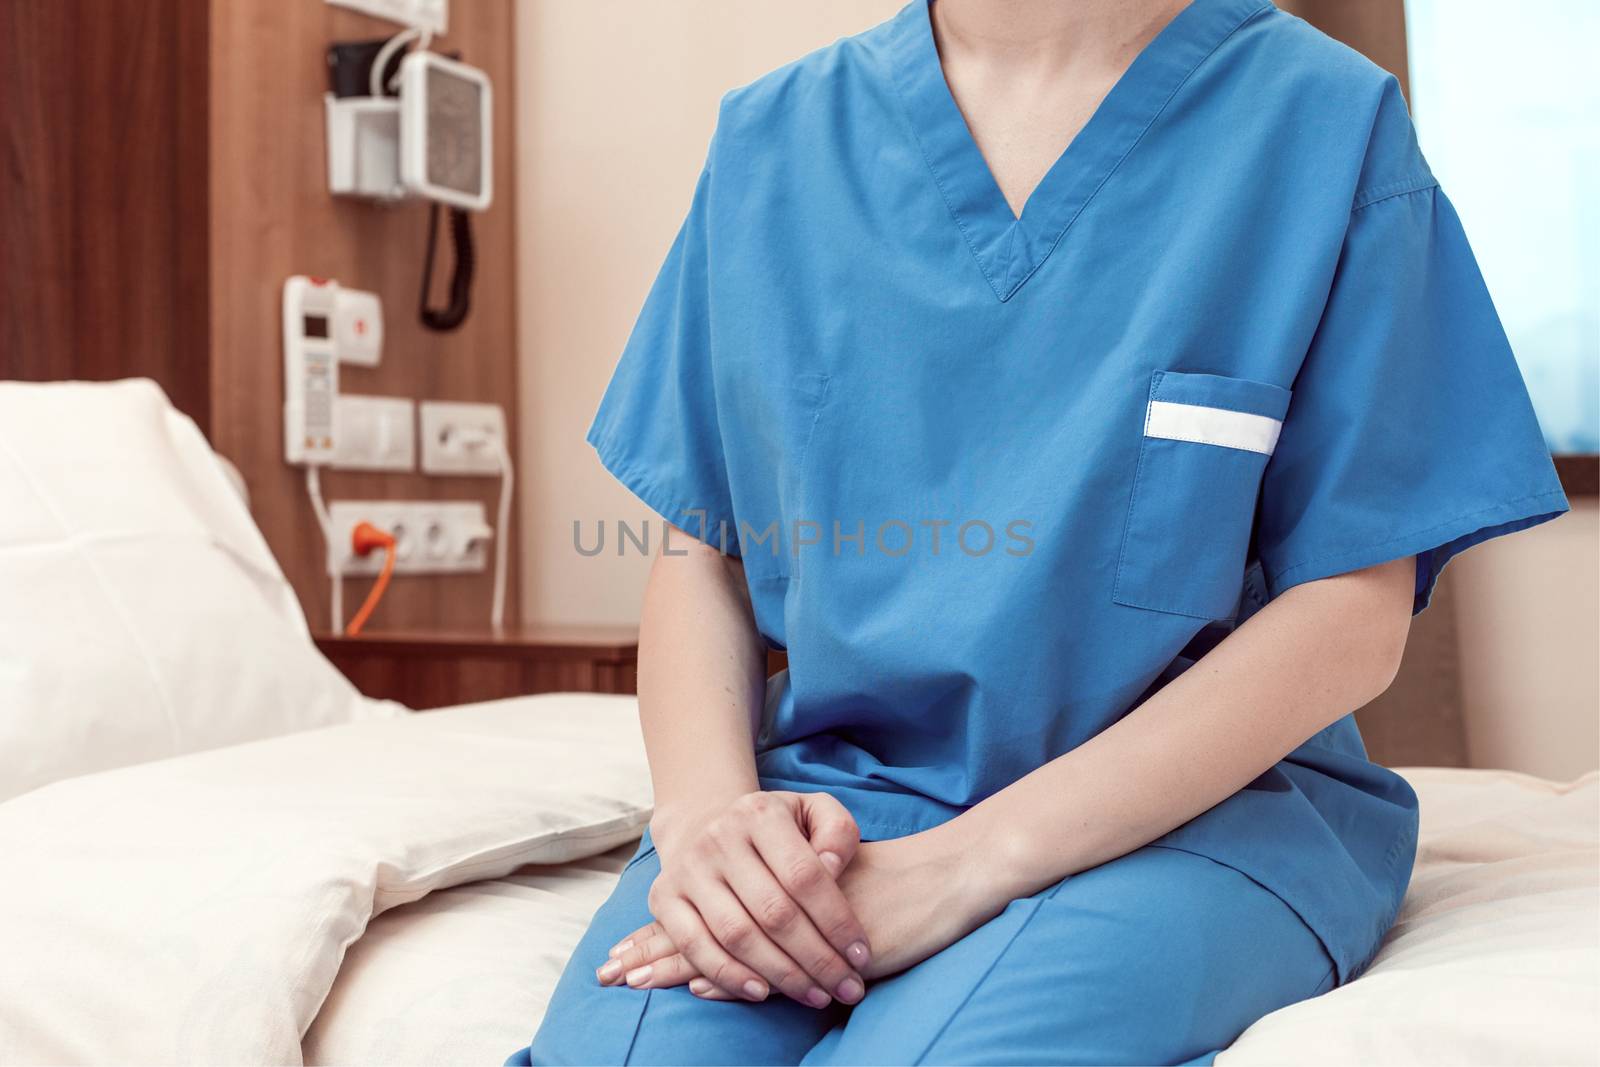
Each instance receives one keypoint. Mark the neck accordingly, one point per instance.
(1050, 31)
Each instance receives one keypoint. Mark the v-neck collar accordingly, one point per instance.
(1010, 249)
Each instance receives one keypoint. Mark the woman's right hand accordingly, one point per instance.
(749, 898)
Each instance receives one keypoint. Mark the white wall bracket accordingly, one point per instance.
(432, 15)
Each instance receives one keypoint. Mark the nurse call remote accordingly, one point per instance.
(310, 369)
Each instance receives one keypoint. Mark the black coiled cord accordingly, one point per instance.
(453, 314)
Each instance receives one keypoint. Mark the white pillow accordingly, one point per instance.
(195, 910)
(141, 612)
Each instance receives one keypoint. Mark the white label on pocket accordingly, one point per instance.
(1212, 426)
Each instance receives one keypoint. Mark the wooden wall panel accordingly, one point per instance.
(272, 216)
(103, 193)
(1418, 721)
(1375, 28)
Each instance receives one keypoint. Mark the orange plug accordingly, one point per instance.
(363, 540)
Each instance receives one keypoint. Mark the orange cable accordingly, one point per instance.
(363, 539)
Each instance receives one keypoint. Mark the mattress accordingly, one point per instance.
(1495, 958)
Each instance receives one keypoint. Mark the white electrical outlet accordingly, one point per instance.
(433, 15)
(374, 433)
(431, 536)
(461, 438)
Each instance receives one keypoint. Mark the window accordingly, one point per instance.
(1510, 123)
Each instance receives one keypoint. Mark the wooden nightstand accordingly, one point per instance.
(435, 669)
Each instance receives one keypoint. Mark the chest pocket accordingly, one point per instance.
(1206, 443)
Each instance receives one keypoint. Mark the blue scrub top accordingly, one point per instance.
(997, 479)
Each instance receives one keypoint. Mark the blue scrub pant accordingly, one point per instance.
(1161, 956)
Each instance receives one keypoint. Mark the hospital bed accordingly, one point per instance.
(215, 850)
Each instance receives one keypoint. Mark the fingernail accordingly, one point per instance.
(608, 972)
(620, 949)
(639, 975)
(699, 986)
(817, 998)
(850, 990)
(832, 862)
(858, 953)
(755, 990)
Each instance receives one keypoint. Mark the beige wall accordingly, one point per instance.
(616, 102)
(1529, 626)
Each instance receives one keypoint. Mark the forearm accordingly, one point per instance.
(1301, 663)
(701, 682)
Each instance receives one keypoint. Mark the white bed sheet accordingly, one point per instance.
(1495, 958)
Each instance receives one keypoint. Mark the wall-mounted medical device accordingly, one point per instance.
(324, 325)
(310, 370)
(432, 141)
(414, 125)
(446, 119)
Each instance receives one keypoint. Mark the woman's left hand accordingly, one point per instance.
(914, 895)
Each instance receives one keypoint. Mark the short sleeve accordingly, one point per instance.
(1409, 432)
(657, 430)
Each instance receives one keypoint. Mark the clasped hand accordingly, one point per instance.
(776, 891)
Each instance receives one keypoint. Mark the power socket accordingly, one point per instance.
(431, 536)
(461, 438)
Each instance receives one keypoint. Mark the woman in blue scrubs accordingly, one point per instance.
(1085, 395)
